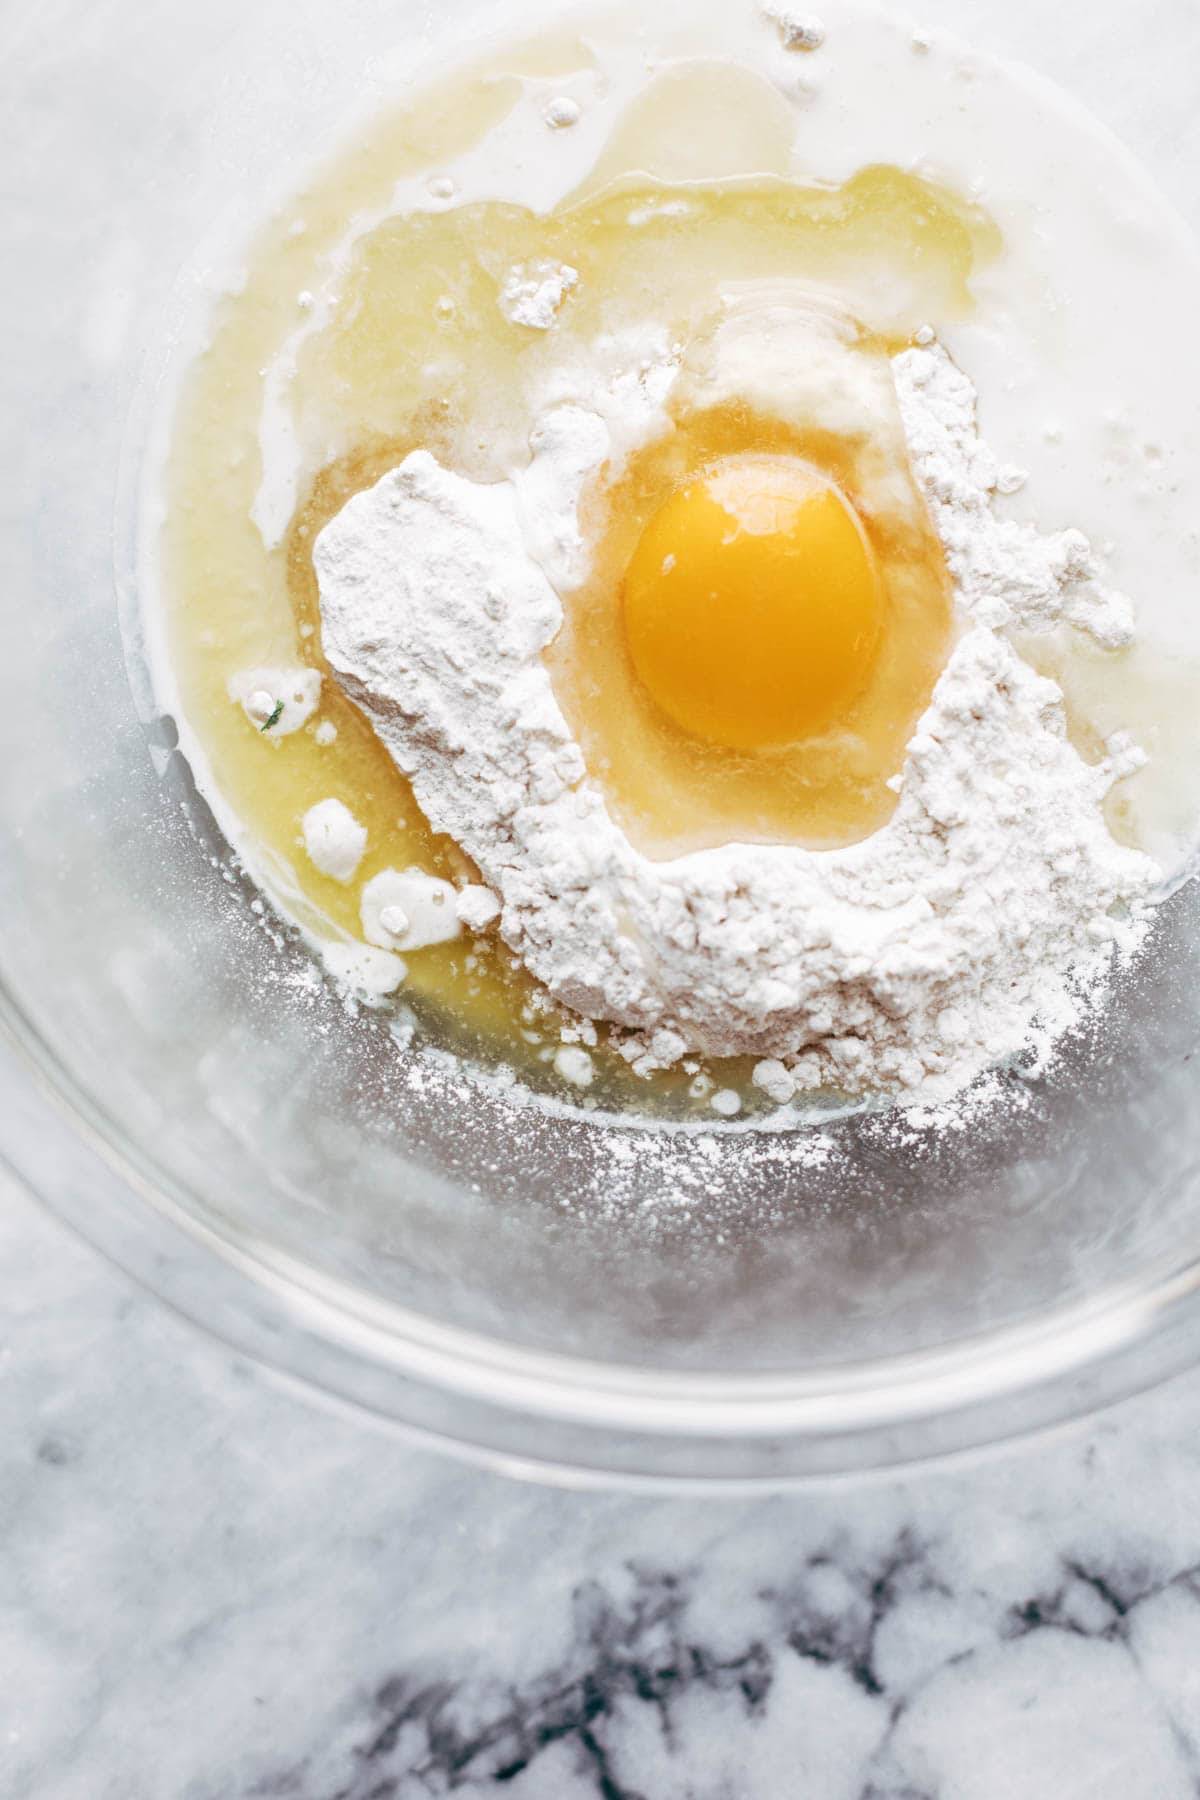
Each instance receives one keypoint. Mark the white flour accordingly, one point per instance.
(799, 30)
(534, 291)
(407, 909)
(989, 904)
(1005, 573)
(335, 841)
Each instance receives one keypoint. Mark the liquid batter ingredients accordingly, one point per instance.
(618, 330)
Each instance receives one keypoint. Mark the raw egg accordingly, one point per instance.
(753, 605)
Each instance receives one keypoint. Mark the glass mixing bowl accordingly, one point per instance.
(427, 1256)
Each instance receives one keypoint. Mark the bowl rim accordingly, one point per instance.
(548, 1415)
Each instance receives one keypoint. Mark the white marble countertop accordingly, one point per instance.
(213, 1590)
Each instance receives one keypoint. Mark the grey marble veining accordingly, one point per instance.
(211, 1589)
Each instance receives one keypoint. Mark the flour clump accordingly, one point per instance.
(798, 30)
(534, 291)
(335, 841)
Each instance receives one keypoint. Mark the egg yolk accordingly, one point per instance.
(753, 607)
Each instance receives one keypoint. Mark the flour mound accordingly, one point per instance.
(914, 959)
(1006, 573)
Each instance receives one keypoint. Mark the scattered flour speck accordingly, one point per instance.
(534, 291)
(798, 28)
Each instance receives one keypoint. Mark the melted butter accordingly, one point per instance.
(417, 352)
